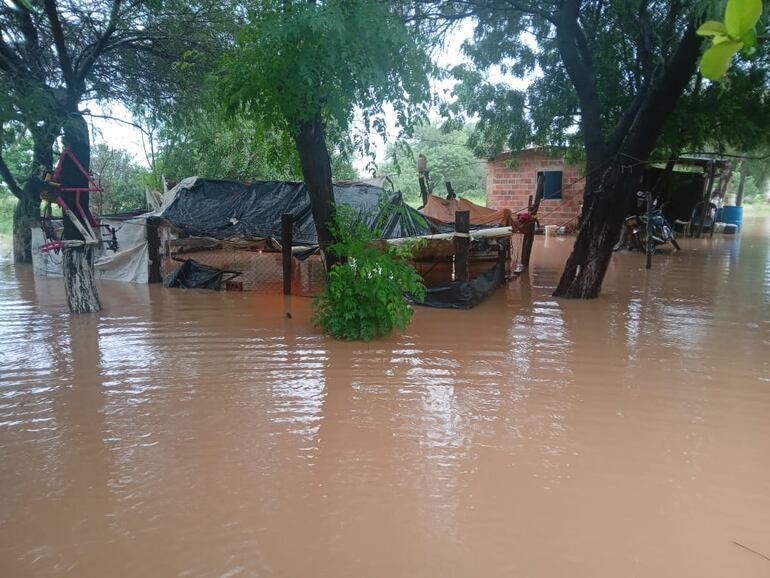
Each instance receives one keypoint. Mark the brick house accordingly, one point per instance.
(510, 188)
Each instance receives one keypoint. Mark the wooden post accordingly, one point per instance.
(422, 177)
(707, 200)
(650, 248)
(287, 226)
(503, 249)
(462, 243)
(423, 189)
(529, 234)
(153, 250)
(529, 237)
(450, 192)
(667, 177)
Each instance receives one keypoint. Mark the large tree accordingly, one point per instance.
(57, 54)
(612, 70)
(305, 67)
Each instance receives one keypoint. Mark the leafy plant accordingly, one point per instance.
(736, 33)
(306, 68)
(364, 293)
(450, 158)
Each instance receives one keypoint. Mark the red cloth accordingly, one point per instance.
(442, 211)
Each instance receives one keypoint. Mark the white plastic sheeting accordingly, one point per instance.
(129, 264)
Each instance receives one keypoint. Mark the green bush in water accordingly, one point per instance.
(364, 293)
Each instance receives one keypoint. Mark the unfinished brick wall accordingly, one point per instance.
(511, 187)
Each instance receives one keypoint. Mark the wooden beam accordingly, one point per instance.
(462, 243)
(287, 227)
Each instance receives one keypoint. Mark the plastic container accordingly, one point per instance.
(732, 215)
(550, 230)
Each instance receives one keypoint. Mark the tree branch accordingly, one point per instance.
(9, 179)
(58, 37)
(27, 28)
(10, 60)
(645, 39)
(663, 95)
(572, 45)
(626, 120)
(96, 49)
(116, 119)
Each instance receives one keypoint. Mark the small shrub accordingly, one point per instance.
(7, 204)
(364, 294)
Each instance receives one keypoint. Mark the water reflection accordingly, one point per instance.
(200, 434)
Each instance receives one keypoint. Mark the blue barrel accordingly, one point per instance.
(732, 215)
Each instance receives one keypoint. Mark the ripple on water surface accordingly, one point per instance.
(200, 434)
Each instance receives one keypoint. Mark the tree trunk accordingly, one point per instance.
(27, 210)
(609, 197)
(317, 172)
(26, 214)
(79, 284)
(599, 232)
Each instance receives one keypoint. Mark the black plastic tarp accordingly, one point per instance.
(228, 210)
(464, 294)
(194, 275)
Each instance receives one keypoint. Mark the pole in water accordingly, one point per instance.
(287, 226)
(462, 243)
(650, 243)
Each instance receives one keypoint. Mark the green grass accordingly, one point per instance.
(7, 203)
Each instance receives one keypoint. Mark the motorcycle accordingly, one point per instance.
(636, 227)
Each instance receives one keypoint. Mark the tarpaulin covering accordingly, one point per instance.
(194, 275)
(232, 210)
(130, 263)
(443, 211)
(464, 294)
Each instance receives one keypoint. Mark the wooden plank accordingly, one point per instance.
(287, 227)
(462, 242)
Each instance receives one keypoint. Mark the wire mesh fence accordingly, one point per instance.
(262, 271)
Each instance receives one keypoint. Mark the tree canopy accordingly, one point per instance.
(122, 179)
(627, 43)
(306, 68)
(450, 158)
(57, 54)
(294, 60)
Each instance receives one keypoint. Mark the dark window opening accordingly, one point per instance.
(551, 184)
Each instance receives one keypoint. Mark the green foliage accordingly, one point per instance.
(121, 178)
(450, 158)
(16, 150)
(626, 56)
(737, 33)
(364, 294)
(208, 143)
(752, 191)
(294, 60)
(730, 116)
(7, 205)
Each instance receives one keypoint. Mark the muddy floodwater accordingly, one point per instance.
(195, 434)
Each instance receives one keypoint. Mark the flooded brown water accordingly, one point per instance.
(195, 434)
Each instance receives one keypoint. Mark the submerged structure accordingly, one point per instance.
(234, 226)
